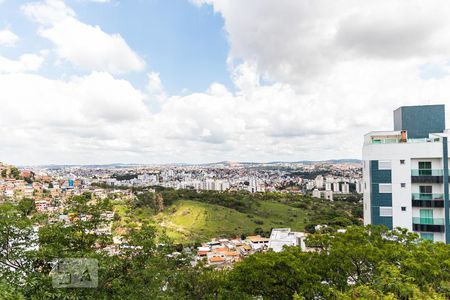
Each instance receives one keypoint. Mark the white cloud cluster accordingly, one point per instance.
(25, 63)
(311, 78)
(85, 46)
(87, 116)
(348, 63)
(295, 40)
(8, 38)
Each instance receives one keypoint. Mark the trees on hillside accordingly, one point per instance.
(362, 263)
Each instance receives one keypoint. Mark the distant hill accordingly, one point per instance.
(190, 217)
(212, 164)
(306, 162)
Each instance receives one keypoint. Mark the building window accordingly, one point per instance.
(403, 184)
(426, 189)
(403, 208)
(424, 165)
(426, 216)
(385, 211)
(402, 161)
(385, 188)
(427, 236)
(384, 165)
(425, 168)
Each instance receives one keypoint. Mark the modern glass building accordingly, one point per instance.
(406, 173)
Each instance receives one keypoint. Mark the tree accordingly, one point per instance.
(276, 275)
(16, 236)
(362, 263)
(15, 173)
(142, 269)
(159, 202)
(26, 206)
(7, 291)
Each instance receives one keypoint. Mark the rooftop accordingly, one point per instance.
(401, 137)
(257, 238)
(413, 124)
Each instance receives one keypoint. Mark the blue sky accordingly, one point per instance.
(186, 44)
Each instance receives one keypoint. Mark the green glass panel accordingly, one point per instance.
(426, 216)
(427, 236)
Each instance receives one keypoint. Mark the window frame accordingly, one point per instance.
(386, 211)
(385, 185)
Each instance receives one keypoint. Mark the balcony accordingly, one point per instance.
(396, 137)
(427, 176)
(427, 200)
(429, 224)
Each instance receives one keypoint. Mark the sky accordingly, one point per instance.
(196, 81)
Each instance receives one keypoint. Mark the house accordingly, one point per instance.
(281, 237)
(257, 242)
(41, 205)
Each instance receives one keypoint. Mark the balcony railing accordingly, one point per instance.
(397, 139)
(419, 196)
(386, 141)
(427, 172)
(428, 221)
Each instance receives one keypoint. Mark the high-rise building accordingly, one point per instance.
(406, 173)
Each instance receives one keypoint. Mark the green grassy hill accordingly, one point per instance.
(188, 220)
(188, 216)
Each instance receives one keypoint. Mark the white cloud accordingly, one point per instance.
(25, 63)
(8, 38)
(340, 68)
(154, 84)
(292, 41)
(74, 120)
(311, 77)
(85, 46)
(99, 119)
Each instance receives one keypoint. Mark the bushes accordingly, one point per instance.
(363, 263)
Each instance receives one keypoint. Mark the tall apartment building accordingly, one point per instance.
(406, 173)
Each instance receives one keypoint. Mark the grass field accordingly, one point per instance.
(208, 214)
(194, 221)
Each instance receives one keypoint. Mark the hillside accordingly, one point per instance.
(187, 220)
(187, 216)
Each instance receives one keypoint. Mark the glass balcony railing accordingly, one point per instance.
(429, 172)
(385, 141)
(396, 140)
(419, 196)
(428, 221)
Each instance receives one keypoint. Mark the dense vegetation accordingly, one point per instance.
(121, 177)
(12, 172)
(363, 263)
(190, 216)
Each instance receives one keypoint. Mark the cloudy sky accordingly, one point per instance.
(160, 81)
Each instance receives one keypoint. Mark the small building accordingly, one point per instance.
(322, 194)
(281, 237)
(257, 242)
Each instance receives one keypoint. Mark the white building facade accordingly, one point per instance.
(405, 173)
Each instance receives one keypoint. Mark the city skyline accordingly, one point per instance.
(200, 81)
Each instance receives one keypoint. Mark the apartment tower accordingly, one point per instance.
(405, 173)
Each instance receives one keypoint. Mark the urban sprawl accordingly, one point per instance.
(51, 188)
